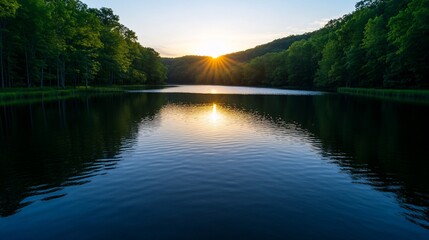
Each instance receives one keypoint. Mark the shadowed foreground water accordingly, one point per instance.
(177, 165)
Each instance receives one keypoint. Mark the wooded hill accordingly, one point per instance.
(382, 44)
(272, 47)
(193, 69)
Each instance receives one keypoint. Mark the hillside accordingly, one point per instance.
(382, 44)
(272, 47)
(193, 69)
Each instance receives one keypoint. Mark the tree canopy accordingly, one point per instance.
(382, 44)
(63, 42)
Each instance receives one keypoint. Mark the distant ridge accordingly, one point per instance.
(277, 45)
(271, 47)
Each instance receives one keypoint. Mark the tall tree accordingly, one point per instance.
(29, 26)
(85, 44)
(331, 72)
(375, 45)
(114, 55)
(409, 34)
(301, 64)
(7, 10)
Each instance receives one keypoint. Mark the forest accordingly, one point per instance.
(61, 43)
(382, 44)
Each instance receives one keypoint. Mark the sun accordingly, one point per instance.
(213, 48)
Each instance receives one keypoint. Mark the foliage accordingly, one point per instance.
(65, 43)
(189, 69)
(272, 47)
(8, 8)
(382, 44)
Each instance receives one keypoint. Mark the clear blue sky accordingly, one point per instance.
(176, 28)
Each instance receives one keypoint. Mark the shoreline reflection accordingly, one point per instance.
(218, 156)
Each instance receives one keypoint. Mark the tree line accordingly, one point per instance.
(51, 128)
(64, 43)
(382, 44)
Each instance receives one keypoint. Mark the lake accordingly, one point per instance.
(213, 162)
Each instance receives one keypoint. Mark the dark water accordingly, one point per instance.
(193, 166)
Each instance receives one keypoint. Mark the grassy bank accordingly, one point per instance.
(420, 96)
(26, 95)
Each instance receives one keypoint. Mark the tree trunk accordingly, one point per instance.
(1, 55)
(1, 62)
(86, 77)
(112, 75)
(49, 74)
(63, 74)
(58, 73)
(42, 76)
(27, 68)
(8, 72)
(61, 66)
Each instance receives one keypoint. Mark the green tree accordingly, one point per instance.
(113, 56)
(409, 35)
(375, 45)
(7, 10)
(350, 37)
(153, 67)
(85, 45)
(254, 71)
(301, 64)
(64, 21)
(136, 73)
(331, 72)
(30, 28)
(64, 40)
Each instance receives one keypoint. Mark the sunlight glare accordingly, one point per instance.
(214, 115)
(214, 49)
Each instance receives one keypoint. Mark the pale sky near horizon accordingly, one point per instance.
(198, 27)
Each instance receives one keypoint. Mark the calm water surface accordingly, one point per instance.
(232, 163)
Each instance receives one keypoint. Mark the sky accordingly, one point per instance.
(199, 27)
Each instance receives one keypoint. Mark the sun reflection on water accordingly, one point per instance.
(214, 116)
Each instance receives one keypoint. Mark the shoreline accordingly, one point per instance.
(14, 96)
(404, 95)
